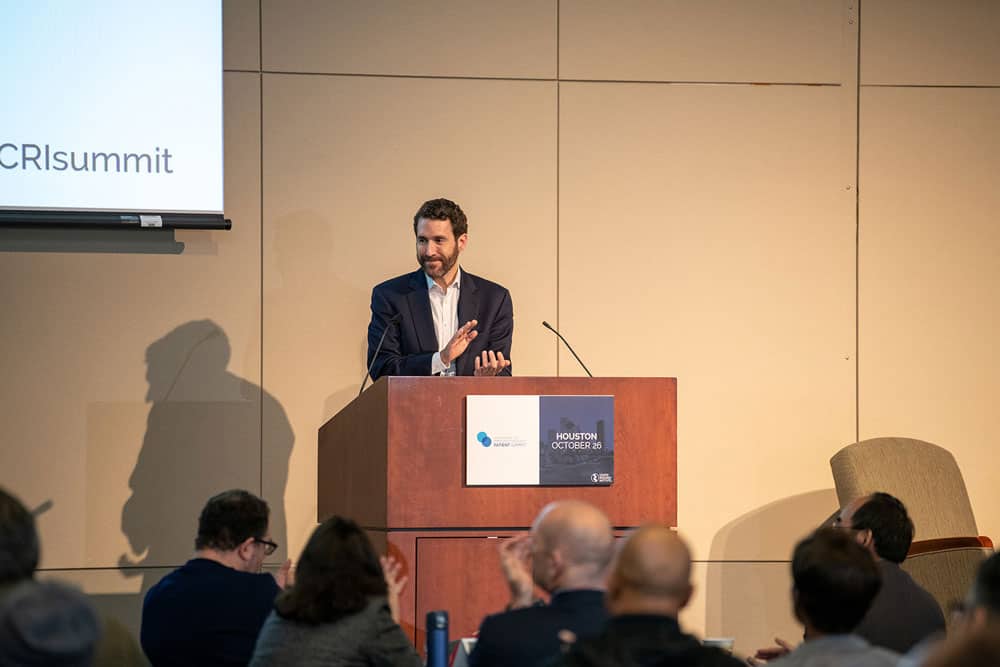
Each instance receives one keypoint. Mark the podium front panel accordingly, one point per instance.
(426, 454)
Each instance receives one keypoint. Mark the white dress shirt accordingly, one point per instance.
(444, 310)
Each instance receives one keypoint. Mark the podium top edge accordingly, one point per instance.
(524, 377)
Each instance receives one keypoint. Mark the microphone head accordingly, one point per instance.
(547, 325)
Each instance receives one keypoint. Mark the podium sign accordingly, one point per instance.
(539, 440)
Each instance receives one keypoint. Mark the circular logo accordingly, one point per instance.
(484, 439)
(594, 477)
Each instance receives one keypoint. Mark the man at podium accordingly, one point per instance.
(440, 320)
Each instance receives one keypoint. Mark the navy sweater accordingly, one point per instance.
(205, 613)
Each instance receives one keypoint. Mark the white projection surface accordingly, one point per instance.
(111, 105)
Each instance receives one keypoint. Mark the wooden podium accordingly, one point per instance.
(394, 461)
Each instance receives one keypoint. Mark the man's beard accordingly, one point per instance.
(447, 262)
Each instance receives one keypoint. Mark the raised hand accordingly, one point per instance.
(395, 582)
(456, 346)
(515, 563)
(490, 363)
(285, 576)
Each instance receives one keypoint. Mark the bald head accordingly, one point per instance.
(573, 544)
(652, 573)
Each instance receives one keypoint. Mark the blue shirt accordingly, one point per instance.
(205, 613)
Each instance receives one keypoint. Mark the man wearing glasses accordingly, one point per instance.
(210, 610)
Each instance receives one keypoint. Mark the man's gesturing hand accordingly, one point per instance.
(456, 346)
(491, 363)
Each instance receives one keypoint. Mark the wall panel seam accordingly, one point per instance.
(260, 275)
(109, 568)
(857, 236)
(929, 85)
(455, 77)
(555, 341)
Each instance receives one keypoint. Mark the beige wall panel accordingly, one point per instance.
(929, 277)
(704, 235)
(430, 38)
(928, 42)
(83, 413)
(241, 34)
(747, 601)
(348, 162)
(713, 40)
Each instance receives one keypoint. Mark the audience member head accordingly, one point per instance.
(47, 623)
(572, 545)
(981, 607)
(443, 209)
(232, 529)
(881, 524)
(337, 573)
(835, 580)
(19, 551)
(652, 574)
(980, 648)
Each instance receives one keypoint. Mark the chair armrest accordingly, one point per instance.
(941, 544)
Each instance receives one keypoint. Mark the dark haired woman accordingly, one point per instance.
(343, 608)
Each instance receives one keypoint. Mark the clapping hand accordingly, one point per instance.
(285, 576)
(515, 563)
(490, 363)
(395, 582)
(456, 346)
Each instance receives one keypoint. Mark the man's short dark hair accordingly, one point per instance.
(229, 518)
(835, 579)
(986, 587)
(443, 209)
(891, 526)
(19, 549)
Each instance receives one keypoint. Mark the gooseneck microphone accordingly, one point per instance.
(568, 346)
(393, 321)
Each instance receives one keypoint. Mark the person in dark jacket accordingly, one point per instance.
(210, 610)
(650, 584)
(903, 613)
(569, 549)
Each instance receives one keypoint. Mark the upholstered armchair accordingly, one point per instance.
(947, 547)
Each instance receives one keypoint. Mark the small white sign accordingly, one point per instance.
(501, 440)
(151, 220)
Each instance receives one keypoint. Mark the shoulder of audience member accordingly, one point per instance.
(389, 646)
(513, 617)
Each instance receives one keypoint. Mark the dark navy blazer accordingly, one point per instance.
(409, 345)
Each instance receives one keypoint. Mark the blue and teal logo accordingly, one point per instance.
(484, 439)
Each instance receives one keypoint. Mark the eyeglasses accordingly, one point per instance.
(269, 546)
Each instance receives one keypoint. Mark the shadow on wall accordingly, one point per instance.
(748, 584)
(202, 437)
